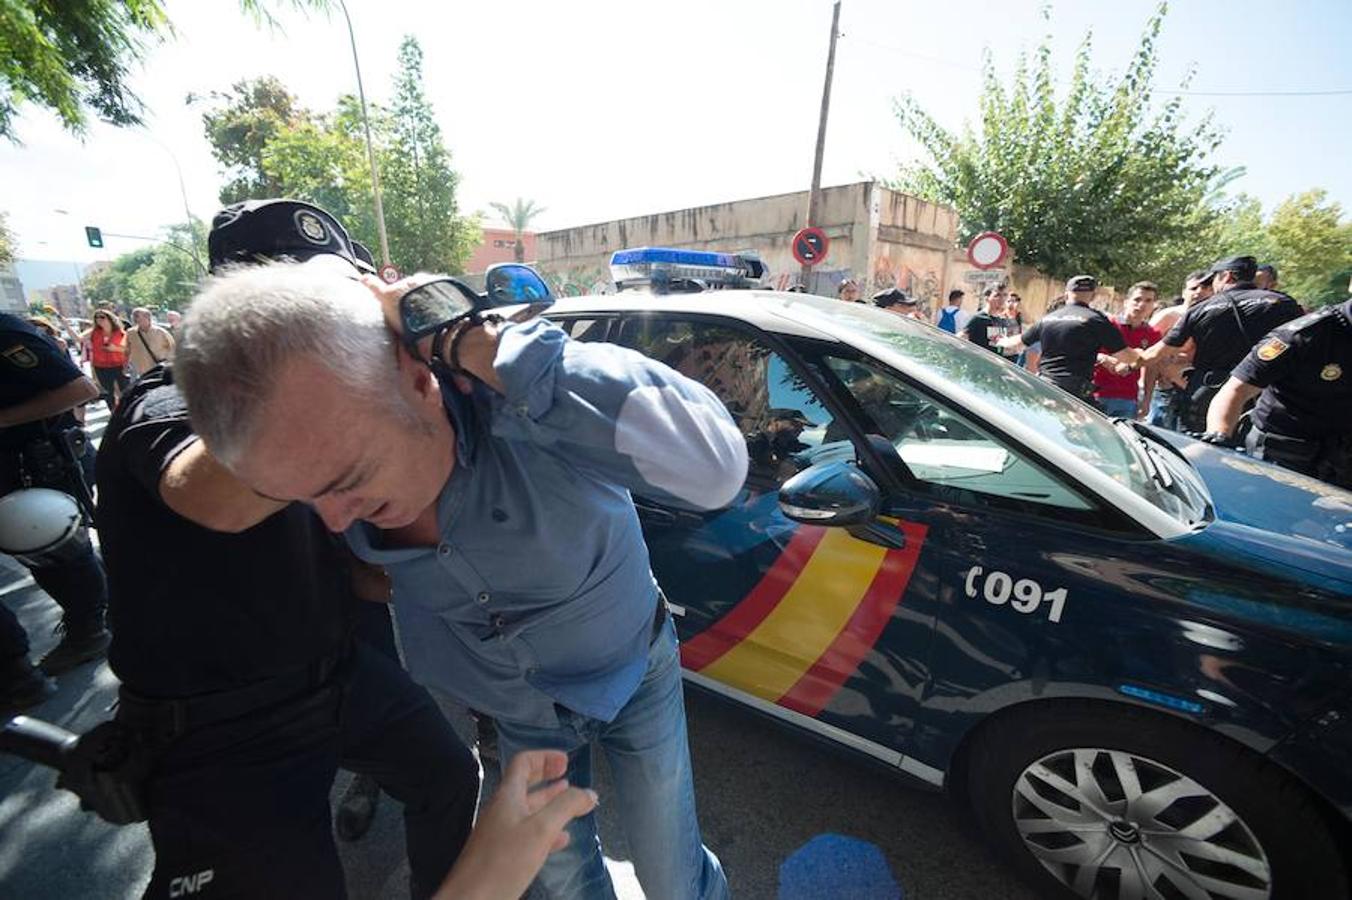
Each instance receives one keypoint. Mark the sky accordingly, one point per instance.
(604, 109)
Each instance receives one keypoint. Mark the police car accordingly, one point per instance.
(1130, 652)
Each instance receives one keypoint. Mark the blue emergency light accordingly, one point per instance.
(666, 266)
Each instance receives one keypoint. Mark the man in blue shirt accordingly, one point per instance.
(500, 507)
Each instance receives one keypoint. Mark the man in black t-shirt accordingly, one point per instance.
(1301, 373)
(1071, 339)
(41, 445)
(989, 326)
(236, 657)
(1224, 327)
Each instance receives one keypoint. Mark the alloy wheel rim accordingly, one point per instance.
(1116, 825)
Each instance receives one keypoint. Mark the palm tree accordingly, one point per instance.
(518, 216)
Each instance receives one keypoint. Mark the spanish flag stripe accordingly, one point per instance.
(812, 613)
(824, 679)
(710, 644)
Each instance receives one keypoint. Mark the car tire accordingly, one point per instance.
(1100, 832)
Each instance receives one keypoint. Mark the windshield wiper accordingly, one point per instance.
(1159, 473)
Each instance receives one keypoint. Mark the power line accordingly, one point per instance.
(901, 51)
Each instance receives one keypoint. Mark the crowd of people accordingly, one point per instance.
(1232, 358)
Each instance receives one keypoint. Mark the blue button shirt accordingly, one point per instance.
(540, 591)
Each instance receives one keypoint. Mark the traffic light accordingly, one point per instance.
(94, 236)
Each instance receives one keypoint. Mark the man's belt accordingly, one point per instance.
(167, 719)
(659, 618)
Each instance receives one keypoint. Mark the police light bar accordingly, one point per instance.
(661, 266)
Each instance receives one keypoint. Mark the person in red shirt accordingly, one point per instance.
(1117, 386)
(108, 354)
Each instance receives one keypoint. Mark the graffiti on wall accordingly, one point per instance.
(923, 286)
(579, 282)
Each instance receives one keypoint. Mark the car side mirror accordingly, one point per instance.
(838, 495)
(509, 284)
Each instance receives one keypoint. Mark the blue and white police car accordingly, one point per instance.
(1128, 651)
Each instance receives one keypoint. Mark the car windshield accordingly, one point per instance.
(1053, 413)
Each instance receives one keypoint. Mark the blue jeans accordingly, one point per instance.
(1118, 407)
(1164, 409)
(649, 759)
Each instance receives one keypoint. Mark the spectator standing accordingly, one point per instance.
(1265, 278)
(848, 290)
(989, 326)
(1117, 385)
(148, 344)
(108, 355)
(953, 318)
(173, 317)
(1014, 313)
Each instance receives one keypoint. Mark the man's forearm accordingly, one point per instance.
(50, 403)
(1228, 404)
(200, 489)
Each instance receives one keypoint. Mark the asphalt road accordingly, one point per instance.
(764, 794)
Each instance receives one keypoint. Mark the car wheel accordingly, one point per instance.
(1115, 802)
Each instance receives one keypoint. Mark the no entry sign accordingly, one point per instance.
(810, 246)
(987, 250)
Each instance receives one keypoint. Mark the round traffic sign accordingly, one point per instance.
(810, 246)
(389, 274)
(987, 250)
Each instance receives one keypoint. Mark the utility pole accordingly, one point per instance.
(814, 196)
(370, 151)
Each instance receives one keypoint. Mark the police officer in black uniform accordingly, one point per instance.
(41, 445)
(1224, 327)
(240, 677)
(1301, 373)
(1071, 339)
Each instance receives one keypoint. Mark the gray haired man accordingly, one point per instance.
(498, 500)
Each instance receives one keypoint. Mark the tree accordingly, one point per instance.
(239, 127)
(70, 55)
(165, 276)
(425, 232)
(1311, 248)
(518, 216)
(1096, 181)
(9, 247)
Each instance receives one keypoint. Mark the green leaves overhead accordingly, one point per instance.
(1095, 178)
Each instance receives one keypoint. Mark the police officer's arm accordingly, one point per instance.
(33, 362)
(200, 489)
(1228, 404)
(1024, 339)
(51, 402)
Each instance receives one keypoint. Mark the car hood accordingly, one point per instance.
(1266, 512)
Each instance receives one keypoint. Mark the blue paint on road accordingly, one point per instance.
(834, 866)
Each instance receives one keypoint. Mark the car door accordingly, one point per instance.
(804, 622)
(1027, 567)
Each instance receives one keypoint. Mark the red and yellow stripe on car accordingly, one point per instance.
(808, 623)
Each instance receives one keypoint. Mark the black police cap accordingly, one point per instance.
(264, 230)
(1082, 283)
(892, 297)
(1243, 267)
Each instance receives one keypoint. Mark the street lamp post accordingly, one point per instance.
(370, 150)
(182, 187)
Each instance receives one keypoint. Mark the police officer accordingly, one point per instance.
(239, 673)
(1071, 338)
(1224, 327)
(41, 445)
(1301, 373)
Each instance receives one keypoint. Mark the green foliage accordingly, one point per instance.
(69, 55)
(1096, 180)
(239, 126)
(9, 247)
(518, 216)
(271, 147)
(1311, 246)
(419, 185)
(164, 276)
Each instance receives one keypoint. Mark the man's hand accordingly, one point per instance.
(521, 826)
